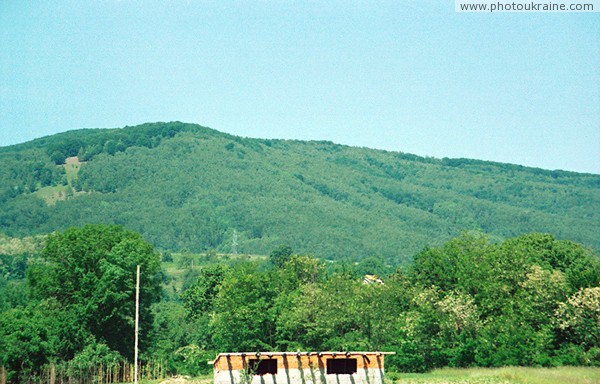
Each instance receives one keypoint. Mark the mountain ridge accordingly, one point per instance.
(185, 186)
(41, 141)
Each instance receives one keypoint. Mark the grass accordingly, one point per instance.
(181, 380)
(506, 375)
(52, 194)
(72, 166)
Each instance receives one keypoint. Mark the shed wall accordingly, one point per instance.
(292, 369)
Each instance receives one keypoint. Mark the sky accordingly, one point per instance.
(409, 76)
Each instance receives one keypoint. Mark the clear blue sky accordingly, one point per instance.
(410, 76)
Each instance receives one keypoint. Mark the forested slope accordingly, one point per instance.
(184, 186)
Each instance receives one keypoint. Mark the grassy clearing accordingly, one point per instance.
(506, 375)
(52, 194)
(72, 166)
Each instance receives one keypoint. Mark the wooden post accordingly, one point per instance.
(2, 375)
(52, 373)
(137, 321)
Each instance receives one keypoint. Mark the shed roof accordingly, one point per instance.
(299, 354)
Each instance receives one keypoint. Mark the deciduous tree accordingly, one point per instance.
(91, 272)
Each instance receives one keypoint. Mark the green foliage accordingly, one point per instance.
(179, 341)
(91, 271)
(13, 293)
(185, 186)
(37, 334)
(280, 255)
(91, 357)
(80, 308)
(520, 291)
(579, 318)
(198, 298)
(469, 302)
(25, 171)
(192, 360)
(13, 266)
(24, 341)
(166, 257)
(529, 300)
(373, 266)
(243, 317)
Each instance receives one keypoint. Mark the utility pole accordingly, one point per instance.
(137, 321)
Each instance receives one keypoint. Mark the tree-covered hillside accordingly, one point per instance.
(184, 186)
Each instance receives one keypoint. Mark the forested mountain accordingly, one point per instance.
(183, 186)
(507, 297)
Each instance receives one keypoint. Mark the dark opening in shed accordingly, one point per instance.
(341, 366)
(263, 367)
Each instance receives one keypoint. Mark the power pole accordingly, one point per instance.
(137, 321)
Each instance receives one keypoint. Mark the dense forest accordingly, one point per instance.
(189, 188)
(256, 244)
(68, 302)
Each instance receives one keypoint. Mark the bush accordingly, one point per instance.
(92, 356)
(191, 360)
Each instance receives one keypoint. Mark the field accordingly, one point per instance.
(507, 375)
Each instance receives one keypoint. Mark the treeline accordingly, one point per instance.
(30, 166)
(530, 300)
(87, 143)
(183, 186)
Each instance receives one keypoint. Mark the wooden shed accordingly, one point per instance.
(299, 368)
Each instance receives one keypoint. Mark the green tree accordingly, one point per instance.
(25, 341)
(182, 343)
(280, 255)
(327, 316)
(243, 318)
(373, 266)
(91, 272)
(198, 298)
(578, 319)
(37, 334)
(298, 270)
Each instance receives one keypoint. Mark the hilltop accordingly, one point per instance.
(188, 187)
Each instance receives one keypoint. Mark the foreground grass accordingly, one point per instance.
(506, 375)
(208, 379)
